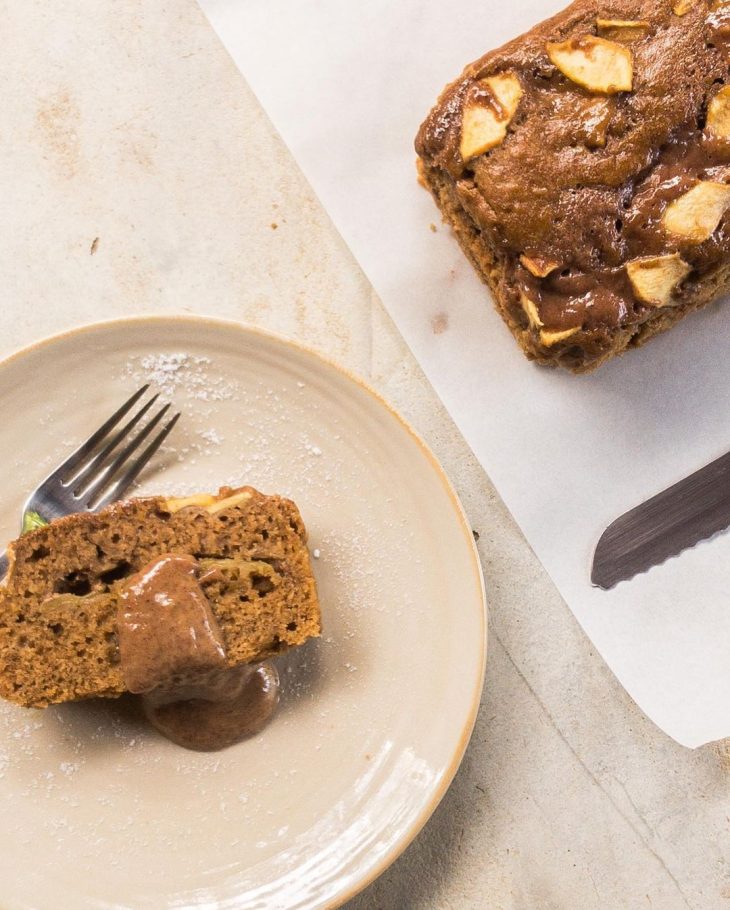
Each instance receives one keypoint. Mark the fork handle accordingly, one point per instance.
(3, 565)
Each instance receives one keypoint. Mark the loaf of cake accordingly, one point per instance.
(60, 604)
(585, 170)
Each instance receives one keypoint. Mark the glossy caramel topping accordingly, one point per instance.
(173, 654)
(167, 630)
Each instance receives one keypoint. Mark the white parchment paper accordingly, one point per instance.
(347, 85)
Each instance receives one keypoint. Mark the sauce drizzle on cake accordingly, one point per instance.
(173, 654)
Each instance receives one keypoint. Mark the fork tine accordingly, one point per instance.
(133, 471)
(91, 467)
(102, 478)
(96, 437)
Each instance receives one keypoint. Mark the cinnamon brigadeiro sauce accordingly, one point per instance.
(173, 655)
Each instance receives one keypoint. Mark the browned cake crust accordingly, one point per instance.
(58, 609)
(589, 182)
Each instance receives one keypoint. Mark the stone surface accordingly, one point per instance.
(138, 174)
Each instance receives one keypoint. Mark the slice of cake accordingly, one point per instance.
(67, 589)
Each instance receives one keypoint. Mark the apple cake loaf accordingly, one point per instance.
(62, 608)
(585, 169)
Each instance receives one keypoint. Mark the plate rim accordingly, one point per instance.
(421, 819)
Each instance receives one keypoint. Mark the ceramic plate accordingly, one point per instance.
(99, 811)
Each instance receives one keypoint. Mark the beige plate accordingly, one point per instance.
(99, 811)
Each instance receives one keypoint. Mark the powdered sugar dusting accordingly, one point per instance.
(181, 372)
(211, 436)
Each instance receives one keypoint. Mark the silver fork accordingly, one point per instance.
(98, 472)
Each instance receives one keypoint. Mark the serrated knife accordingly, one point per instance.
(678, 517)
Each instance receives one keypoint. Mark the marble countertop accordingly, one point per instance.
(140, 175)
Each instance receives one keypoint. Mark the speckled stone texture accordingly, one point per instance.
(131, 165)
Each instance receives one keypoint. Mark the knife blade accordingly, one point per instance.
(677, 518)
